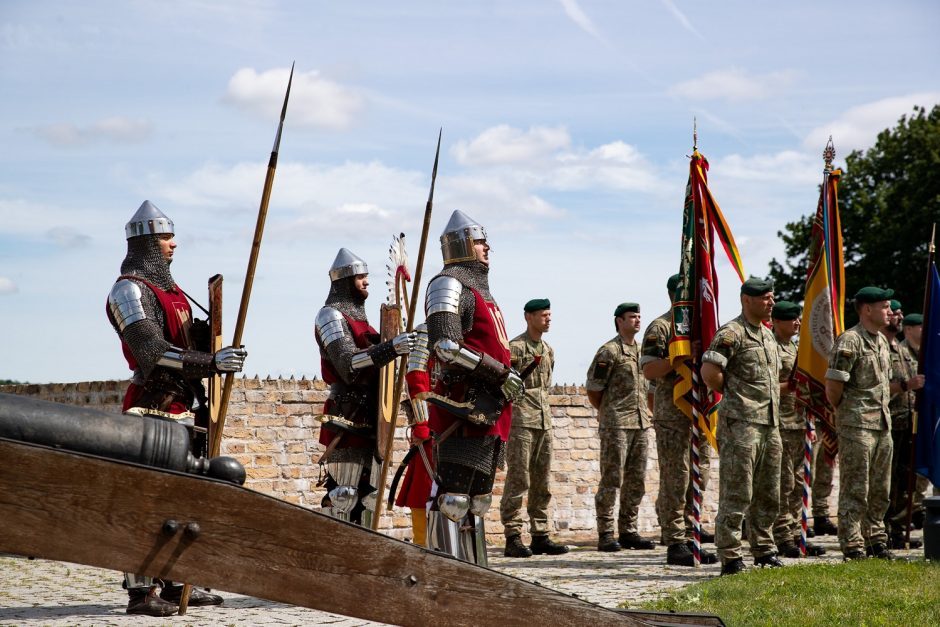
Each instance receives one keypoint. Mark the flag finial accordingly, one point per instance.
(829, 154)
(694, 133)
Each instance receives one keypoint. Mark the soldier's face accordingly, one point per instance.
(912, 334)
(539, 320)
(878, 314)
(760, 306)
(630, 321)
(894, 320)
(787, 328)
(361, 283)
(482, 251)
(167, 246)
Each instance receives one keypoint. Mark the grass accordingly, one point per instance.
(866, 592)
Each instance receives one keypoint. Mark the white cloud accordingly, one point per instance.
(504, 144)
(734, 85)
(23, 218)
(117, 129)
(68, 237)
(315, 101)
(577, 15)
(788, 167)
(858, 127)
(7, 286)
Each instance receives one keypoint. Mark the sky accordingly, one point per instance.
(567, 127)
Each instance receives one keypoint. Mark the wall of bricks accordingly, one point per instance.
(272, 429)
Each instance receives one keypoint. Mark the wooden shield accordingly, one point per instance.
(390, 326)
(215, 381)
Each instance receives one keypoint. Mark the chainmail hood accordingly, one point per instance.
(473, 274)
(346, 299)
(145, 260)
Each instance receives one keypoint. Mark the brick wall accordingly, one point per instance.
(272, 429)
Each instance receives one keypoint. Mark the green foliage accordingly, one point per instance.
(866, 592)
(889, 196)
(9, 382)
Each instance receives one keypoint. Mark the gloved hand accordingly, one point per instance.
(512, 385)
(404, 343)
(230, 359)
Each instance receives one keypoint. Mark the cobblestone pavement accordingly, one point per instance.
(41, 592)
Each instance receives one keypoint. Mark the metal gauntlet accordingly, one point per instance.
(198, 365)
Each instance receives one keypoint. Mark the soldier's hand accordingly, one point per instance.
(230, 359)
(512, 386)
(404, 343)
(916, 382)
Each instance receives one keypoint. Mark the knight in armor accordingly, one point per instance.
(473, 385)
(160, 341)
(351, 357)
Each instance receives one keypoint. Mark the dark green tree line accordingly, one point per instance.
(889, 197)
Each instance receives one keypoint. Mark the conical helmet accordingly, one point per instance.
(458, 237)
(148, 220)
(347, 264)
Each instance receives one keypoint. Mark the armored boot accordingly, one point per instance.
(542, 545)
(146, 602)
(515, 547)
(197, 598)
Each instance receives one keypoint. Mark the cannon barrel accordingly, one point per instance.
(147, 440)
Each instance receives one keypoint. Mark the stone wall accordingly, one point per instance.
(272, 429)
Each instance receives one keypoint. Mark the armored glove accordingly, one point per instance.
(230, 359)
(512, 387)
(404, 343)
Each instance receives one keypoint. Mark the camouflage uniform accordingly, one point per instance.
(903, 367)
(673, 436)
(792, 437)
(823, 472)
(529, 452)
(861, 360)
(624, 421)
(748, 437)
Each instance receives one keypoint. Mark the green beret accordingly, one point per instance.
(785, 310)
(757, 287)
(537, 304)
(913, 320)
(873, 294)
(895, 305)
(623, 308)
(673, 283)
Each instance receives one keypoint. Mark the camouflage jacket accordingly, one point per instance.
(533, 410)
(862, 362)
(903, 367)
(790, 418)
(751, 362)
(615, 370)
(656, 346)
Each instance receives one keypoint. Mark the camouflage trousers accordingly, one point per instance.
(528, 466)
(864, 479)
(896, 516)
(623, 468)
(788, 523)
(748, 485)
(674, 502)
(823, 474)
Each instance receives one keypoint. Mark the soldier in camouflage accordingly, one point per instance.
(859, 386)
(673, 437)
(529, 450)
(786, 325)
(617, 389)
(743, 363)
(903, 367)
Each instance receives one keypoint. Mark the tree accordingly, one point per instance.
(889, 197)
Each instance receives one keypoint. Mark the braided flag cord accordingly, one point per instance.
(807, 480)
(696, 472)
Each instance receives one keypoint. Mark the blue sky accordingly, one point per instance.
(566, 130)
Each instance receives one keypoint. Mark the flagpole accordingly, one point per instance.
(911, 476)
(697, 394)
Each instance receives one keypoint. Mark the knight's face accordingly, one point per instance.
(361, 283)
(482, 251)
(167, 246)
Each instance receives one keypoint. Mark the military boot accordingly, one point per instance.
(704, 557)
(880, 551)
(635, 541)
(824, 527)
(788, 548)
(515, 547)
(197, 598)
(607, 543)
(148, 603)
(542, 545)
(733, 567)
(768, 561)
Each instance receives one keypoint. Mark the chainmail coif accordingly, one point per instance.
(145, 260)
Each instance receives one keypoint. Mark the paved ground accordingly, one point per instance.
(39, 592)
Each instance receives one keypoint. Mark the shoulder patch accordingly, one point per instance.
(601, 369)
(726, 341)
(845, 352)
